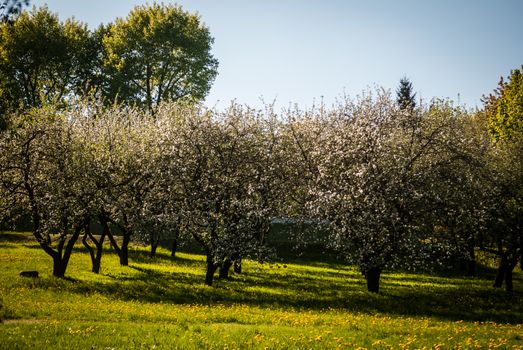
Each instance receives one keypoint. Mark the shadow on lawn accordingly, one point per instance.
(313, 291)
(15, 237)
(143, 257)
(446, 296)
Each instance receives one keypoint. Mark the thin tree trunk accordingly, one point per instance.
(462, 264)
(238, 266)
(509, 286)
(148, 96)
(154, 246)
(58, 266)
(174, 247)
(471, 262)
(70, 245)
(211, 269)
(124, 257)
(96, 255)
(471, 268)
(60, 261)
(500, 276)
(224, 269)
(97, 263)
(89, 249)
(105, 226)
(123, 251)
(372, 275)
(521, 251)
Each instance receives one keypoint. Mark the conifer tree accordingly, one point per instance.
(404, 95)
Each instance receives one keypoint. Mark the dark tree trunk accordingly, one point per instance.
(471, 267)
(124, 250)
(63, 254)
(91, 253)
(154, 246)
(508, 261)
(174, 247)
(95, 254)
(462, 265)
(224, 269)
(500, 276)
(512, 263)
(59, 266)
(509, 286)
(114, 244)
(521, 251)
(97, 262)
(211, 269)
(372, 275)
(238, 266)
(471, 262)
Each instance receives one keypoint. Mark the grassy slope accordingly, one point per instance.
(162, 303)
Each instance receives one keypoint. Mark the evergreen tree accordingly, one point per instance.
(405, 96)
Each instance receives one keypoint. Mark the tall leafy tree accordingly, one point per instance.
(405, 96)
(43, 60)
(506, 208)
(506, 118)
(159, 52)
(503, 115)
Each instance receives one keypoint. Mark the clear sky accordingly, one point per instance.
(297, 51)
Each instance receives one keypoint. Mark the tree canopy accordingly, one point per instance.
(159, 52)
(507, 122)
(43, 60)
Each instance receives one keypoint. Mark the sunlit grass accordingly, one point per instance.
(162, 303)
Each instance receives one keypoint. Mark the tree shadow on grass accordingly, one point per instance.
(444, 296)
(140, 256)
(8, 246)
(313, 292)
(15, 237)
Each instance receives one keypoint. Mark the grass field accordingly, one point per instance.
(162, 303)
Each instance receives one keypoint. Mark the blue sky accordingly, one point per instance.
(300, 51)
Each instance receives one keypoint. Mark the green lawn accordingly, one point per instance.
(162, 303)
